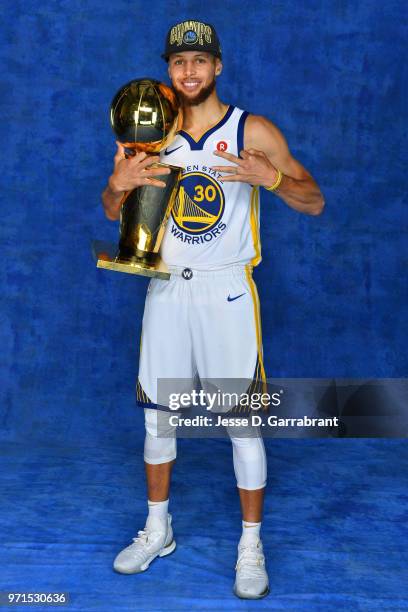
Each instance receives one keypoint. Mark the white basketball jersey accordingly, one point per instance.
(213, 224)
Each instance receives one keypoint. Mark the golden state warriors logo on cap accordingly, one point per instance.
(199, 204)
(190, 37)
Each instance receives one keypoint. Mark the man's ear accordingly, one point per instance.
(218, 67)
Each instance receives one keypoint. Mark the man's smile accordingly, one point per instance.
(190, 85)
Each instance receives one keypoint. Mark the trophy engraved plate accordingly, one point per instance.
(145, 117)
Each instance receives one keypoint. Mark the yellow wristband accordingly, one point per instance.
(276, 183)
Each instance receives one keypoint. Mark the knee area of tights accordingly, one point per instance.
(245, 442)
(157, 425)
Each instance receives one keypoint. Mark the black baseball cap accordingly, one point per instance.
(192, 36)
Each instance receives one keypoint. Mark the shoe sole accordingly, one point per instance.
(163, 553)
(263, 594)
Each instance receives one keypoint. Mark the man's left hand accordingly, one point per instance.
(254, 168)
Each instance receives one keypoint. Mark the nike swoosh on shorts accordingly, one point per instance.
(231, 299)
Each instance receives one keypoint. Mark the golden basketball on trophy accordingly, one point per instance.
(145, 117)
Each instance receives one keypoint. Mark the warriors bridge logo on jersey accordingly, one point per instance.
(199, 206)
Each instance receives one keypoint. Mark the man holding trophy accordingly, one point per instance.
(207, 315)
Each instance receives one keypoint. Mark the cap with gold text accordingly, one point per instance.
(192, 36)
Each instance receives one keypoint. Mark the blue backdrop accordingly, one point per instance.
(333, 288)
(333, 291)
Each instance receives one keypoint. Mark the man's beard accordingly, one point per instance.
(198, 99)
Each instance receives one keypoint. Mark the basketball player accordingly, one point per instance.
(211, 245)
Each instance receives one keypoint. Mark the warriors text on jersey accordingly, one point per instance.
(213, 224)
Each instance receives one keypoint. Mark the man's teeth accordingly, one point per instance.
(190, 85)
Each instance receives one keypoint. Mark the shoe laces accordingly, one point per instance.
(142, 543)
(147, 536)
(251, 561)
(142, 537)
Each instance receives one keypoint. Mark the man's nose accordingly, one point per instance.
(189, 68)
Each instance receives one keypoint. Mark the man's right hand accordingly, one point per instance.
(133, 172)
(129, 173)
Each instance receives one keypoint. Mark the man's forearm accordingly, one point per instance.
(112, 201)
(302, 195)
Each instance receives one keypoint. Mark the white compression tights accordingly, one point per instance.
(248, 453)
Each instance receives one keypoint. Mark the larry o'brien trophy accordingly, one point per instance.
(144, 117)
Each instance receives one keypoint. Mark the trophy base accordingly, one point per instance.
(106, 256)
(159, 270)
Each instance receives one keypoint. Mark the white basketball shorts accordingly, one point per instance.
(203, 323)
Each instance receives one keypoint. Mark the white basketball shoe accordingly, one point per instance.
(150, 543)
(251, 578)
